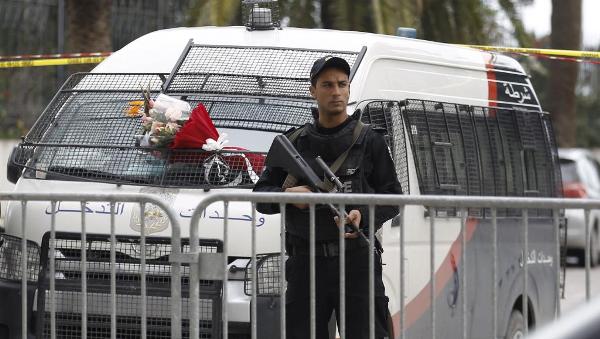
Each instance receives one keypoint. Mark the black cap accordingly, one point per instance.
(327, 62)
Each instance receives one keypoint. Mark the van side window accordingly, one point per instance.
(386, 116)
(489, 151)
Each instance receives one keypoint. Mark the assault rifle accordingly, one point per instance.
(284, 155)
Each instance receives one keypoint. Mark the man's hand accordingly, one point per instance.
(353, 217)
(299, 189)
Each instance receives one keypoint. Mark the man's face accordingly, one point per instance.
(331, 91)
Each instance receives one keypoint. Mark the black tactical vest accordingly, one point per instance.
(351, 173)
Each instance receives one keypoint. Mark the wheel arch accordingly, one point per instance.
(531, 315)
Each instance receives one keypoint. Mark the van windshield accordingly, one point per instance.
(88, 132)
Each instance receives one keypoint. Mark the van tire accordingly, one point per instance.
(594, 251)
(516, 326)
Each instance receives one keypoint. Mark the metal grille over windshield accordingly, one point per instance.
(87, 134)
(88, 131)
(253, 71)
(259, 114)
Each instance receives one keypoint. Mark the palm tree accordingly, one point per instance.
(88, 28)
(400, 13)
(301, 12)
(224, 12)
(509, 8)
(214, 13)
(88, 25)
(566, 34)
(465, 21)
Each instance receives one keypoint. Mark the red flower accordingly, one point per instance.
(196, 130)
(193, 135)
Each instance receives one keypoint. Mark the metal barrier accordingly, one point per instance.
(214, 266)
(494, 204)
(55, 273)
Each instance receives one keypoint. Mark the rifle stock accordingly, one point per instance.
(284, 155)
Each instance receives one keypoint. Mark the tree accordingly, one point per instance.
(223, 12)
(566, 34)
(509, 8)
(390, 14)
(465, 21)
(215, 13)
(88, 27)
(301, 12)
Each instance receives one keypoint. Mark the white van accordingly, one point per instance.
(458, 121)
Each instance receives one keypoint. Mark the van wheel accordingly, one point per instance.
(594, 248)
(516, 326)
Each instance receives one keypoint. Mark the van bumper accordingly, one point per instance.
(10, 309)
(268, 315)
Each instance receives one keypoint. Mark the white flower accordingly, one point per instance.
(153, 113)
(156, 127)
(172, 127)
(173, 114)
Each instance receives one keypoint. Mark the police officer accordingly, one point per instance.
(366, 168)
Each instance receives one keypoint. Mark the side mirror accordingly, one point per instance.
(13, 168)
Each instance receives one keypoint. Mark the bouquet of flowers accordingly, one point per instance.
(169, 124)
(162, 120)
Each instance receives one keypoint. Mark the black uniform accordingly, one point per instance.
(368, 168)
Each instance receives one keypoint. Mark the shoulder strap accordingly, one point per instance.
(340, 160)
(294, 135)
(290, 180)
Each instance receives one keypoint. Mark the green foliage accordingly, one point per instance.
(399, 13)
(467, 21)
(522, 37)
(452, 21)
(301, 12)
(214, 13)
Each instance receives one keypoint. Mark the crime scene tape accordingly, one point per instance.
(38, 60)
(556, 54)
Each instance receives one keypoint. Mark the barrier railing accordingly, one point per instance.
(77, 266)
(404, 202)
(65, 264)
